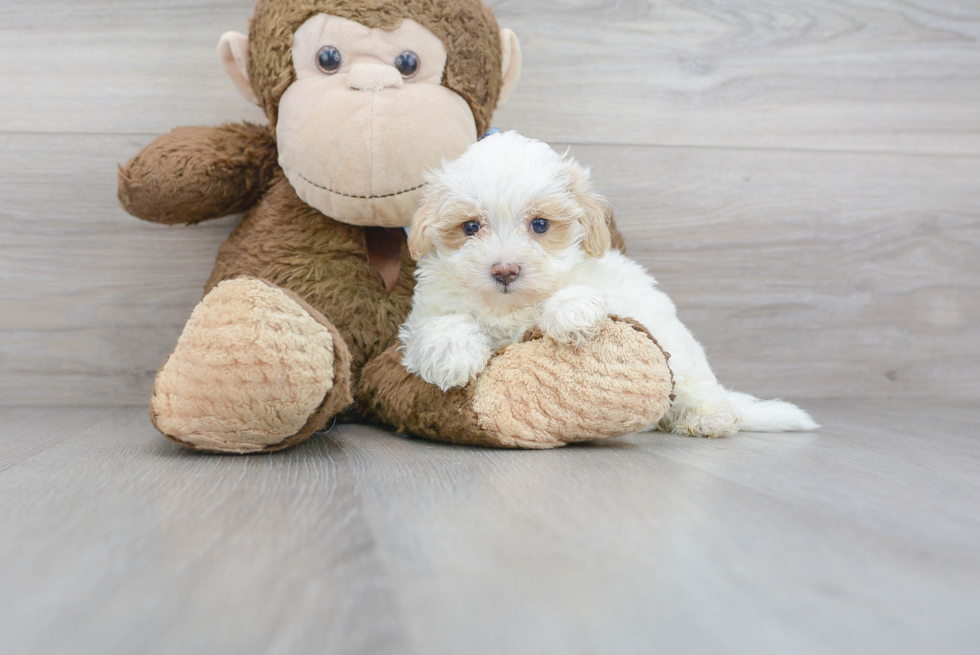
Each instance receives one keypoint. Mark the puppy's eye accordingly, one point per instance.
(471, 227)
(540, 225)
(407, 63)
(329, 60)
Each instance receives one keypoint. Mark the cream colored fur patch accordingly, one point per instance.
(533, 393)
(249, 369)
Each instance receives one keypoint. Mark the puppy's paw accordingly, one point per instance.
(573, 315)
(455, 368)
(711, 422)
(447, 351)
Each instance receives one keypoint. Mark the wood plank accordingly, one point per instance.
(139, 66)
(92, 297)
(868, 75)
(865, 75)
(116, 541)
(809, 275)
(27, 431)
(804, 274)
(810, 543)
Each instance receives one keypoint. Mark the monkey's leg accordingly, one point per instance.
(256, 369)
(536, 394)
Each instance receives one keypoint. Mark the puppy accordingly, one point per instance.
(508, 237)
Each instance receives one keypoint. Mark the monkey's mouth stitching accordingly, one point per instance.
(351, 195)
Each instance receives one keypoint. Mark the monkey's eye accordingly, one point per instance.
(471, 227)
(540, 225)
(329, 60)
(407, 63)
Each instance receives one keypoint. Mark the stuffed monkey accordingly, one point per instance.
(299, 323)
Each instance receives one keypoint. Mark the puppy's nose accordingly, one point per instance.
(505, 273)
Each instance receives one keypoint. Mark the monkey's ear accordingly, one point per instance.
(512, 64)
(596, 212)
(233, 54)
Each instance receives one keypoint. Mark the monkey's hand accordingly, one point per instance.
(194, 174)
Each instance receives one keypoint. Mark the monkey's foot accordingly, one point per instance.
(256, 369)
(537, 394)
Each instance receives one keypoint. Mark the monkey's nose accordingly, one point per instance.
(505, 273)
(374, 77)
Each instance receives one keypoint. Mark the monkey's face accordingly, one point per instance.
(366, 95)
(366, 117)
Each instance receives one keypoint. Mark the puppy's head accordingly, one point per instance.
(510, 217)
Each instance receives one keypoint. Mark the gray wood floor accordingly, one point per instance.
(861, 538)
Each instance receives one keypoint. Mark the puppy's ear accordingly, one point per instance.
(419, 240)
(596, 212)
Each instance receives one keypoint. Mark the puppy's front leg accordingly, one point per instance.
(574, 314)
(446, 351)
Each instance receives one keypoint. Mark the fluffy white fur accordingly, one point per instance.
(461, 313)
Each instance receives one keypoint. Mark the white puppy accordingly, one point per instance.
(508, 237)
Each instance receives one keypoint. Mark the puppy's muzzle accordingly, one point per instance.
(506, 274)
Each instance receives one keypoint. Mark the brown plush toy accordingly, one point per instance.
(299, 323)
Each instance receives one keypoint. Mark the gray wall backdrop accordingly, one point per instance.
(802, 176)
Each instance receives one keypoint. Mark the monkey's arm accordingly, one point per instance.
(197, 173)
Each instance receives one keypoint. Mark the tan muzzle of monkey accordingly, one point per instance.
(356, 143)
(369, 170)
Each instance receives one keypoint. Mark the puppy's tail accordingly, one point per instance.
(769, 415)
